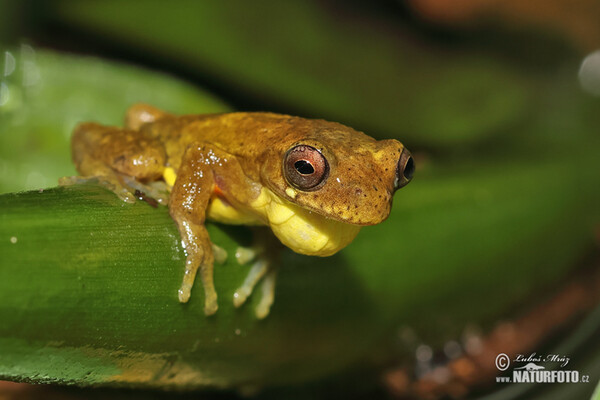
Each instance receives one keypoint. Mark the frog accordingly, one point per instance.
(311, 184)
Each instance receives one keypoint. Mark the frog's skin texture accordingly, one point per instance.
(314, 183)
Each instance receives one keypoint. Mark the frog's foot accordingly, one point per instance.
(157, 190)
(258, 270)
(244, 255)
(210, 295)
(268, 294)
(262, 269)
(219, 253)
(111, 183)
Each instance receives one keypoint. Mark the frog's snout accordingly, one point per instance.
(404, 170)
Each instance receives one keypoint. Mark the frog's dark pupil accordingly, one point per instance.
(304, 167)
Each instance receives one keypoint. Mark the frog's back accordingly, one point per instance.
(241, 134)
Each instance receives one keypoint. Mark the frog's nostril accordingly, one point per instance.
(404, 170)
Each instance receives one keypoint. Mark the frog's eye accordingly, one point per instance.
(305, 167)
(404, 170)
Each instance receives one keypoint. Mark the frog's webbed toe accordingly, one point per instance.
(206, 271)
(267, 287)
(257, 271)
(263, 270)
(157, 190)
(244, 255)
(110, 182)
(219, 253)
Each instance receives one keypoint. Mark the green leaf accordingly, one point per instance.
(101, 278)
(91, 281)
(324, 62)
(47, 94)
(596, 394)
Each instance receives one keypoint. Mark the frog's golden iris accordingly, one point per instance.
(305, 168)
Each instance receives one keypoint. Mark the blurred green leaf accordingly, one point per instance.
(328, 62)
(45, 95)
(596, 394)
(10, 11)
(101, 278)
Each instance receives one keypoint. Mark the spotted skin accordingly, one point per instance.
(234, 168)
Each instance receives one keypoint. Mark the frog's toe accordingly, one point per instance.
(114, 184)
(210, 306)
(111, 184)
(124, 194)
(161, 191)
(69, 180)
(81, 180)
(219, 253)
(244, 255)
(258, 270)
(265, 253)
(155, 190)
(184, 293)
(240, 296)
(268, 295)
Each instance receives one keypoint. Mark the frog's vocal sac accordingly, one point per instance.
(314, 183)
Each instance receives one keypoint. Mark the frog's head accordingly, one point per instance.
(337, 172)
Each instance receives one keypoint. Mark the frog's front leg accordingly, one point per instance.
(205, 170)
(188, 202)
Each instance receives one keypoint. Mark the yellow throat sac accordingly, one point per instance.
(302, 230)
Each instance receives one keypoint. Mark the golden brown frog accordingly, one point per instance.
(314, 183)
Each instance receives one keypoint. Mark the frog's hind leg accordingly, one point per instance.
(121, 159)
(265, 252)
